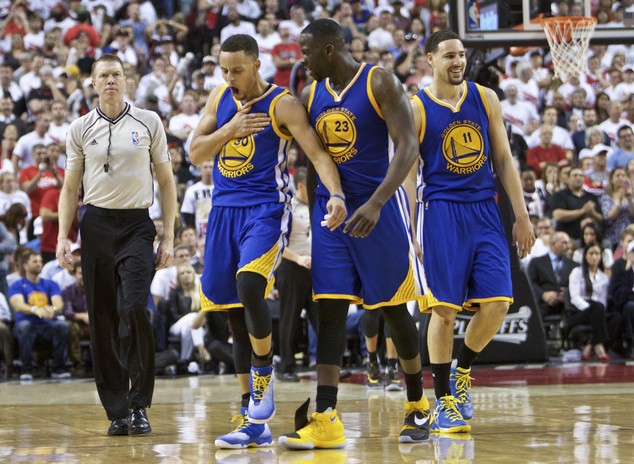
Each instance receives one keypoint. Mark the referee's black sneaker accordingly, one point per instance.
(139, 423)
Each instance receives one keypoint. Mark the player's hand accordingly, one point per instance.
(523, 236)
(63, 254)
(337, 212)
(305, 261)
(164, 254)
(245, 123)
(363, 220)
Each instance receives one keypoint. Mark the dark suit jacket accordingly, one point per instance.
(543, 279)
(621, 288)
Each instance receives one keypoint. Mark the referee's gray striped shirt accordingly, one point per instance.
(135, 139)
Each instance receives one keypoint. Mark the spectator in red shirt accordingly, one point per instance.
(50, 225)
(285, 54)
(41, 176)
(545, 152)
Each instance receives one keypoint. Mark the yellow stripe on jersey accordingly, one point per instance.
(423, 119)
(348, 87)
(455, 109)
(373, 101)
(222, 91)
(311, 96)
(276, 127)
(485, 102)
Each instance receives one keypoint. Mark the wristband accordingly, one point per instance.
(33, 309)
(336, 195)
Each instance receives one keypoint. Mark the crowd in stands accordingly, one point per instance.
(573, 143)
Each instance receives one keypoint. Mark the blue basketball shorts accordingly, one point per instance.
(465, 253)
(238, 240)
(376, 271)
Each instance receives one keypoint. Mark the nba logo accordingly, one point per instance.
(135, 137)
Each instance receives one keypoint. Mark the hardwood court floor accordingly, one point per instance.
(580, 413)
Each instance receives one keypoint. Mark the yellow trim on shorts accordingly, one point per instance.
(469, 303)
(354, 299)
(405, 293)
(207, 305)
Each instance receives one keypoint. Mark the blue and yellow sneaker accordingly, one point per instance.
(246, 434)
(460, 384)
(324, 430)
(262, 401)
(416, 424)
(446, 417)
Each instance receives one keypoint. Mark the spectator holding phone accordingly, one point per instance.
(617, 206)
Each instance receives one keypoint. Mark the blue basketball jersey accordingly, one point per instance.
(353, 131)
(251, 170)
(455, 148)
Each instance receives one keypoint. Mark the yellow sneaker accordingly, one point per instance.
(325, 430)
(416, 423)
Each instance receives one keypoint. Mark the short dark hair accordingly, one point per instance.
(435, 38)
(107, 58)
(326, 30)
(241, 43)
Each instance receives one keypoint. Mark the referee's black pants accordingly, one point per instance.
(117, 264)
(295, 286)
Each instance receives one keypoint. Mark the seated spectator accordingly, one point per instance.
(545, 152)
(593, 137)
(617, 206)
(515, 111)
(8, 244)
(23, 151)
(596, 178)
(547, 183)
(549, 274)
(543, 232)
(14, 220)
(572, 204)
(40, 97)
(589, 297)
(37, 303)
(76, 314)
(614, 122)
(591, 233)
(183, 309)
(625, 151)
(533, 197)
(622, 290)
(6, 339)
(164, 280)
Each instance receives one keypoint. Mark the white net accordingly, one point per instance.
(568, 38)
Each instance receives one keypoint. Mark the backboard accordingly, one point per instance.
(511, 23)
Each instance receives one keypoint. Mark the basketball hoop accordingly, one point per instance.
(568, 39)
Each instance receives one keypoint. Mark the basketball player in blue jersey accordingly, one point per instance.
(361, 113)
(246, 130)
(465, 253)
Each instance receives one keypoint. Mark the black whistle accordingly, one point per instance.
(106, 167)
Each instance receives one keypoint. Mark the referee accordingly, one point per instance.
(111, 153)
